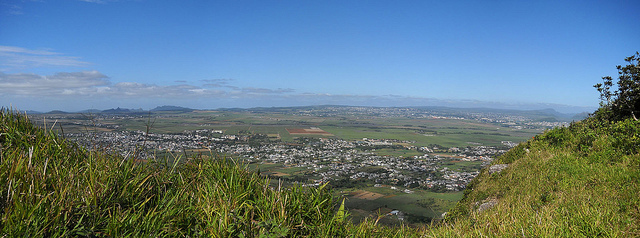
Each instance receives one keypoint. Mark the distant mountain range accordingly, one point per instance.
(172, 109)
(120, 110)
(542, 114)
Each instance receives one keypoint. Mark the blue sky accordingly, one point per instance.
(74, 55)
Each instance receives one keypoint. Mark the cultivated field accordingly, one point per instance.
(422, 132)
(310, 131)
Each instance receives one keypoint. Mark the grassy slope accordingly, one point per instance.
(576, 181)
(52, 188)
(579, 181)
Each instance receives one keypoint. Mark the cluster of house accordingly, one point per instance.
(323, 159)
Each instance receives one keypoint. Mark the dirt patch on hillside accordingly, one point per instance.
(312, 131)
(366, 195)
(278, 174)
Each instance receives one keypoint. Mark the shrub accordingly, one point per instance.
(623, 102)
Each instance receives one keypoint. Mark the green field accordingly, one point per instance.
(423, 132)
(463, 166)
(419, 206)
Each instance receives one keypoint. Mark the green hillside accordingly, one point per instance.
(579, 181)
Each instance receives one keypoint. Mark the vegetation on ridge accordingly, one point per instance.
(624, 101)
(577, 181)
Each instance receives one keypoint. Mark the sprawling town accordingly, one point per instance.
(323, 159)
(319, 160)
(399, 157)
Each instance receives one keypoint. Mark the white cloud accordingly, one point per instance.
(17, 58)
(140, 90)
(104, 1)
(252, 90)
(79, 89)
(219, 83)
(93, 1)
(96, 84)
(11, 9)
(28, 84)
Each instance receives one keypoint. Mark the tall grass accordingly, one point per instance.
(50, 187)
(578, 181)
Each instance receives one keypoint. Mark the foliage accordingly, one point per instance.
(623, 102)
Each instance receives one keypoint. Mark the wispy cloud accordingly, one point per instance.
(252, 90)
(77, 88)
(14, 9)
(94, 1)
(104, 1)
(94, 83)
(28, 84)
(141, 90)
(219, 83)
(18, 58)
(10, 9)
